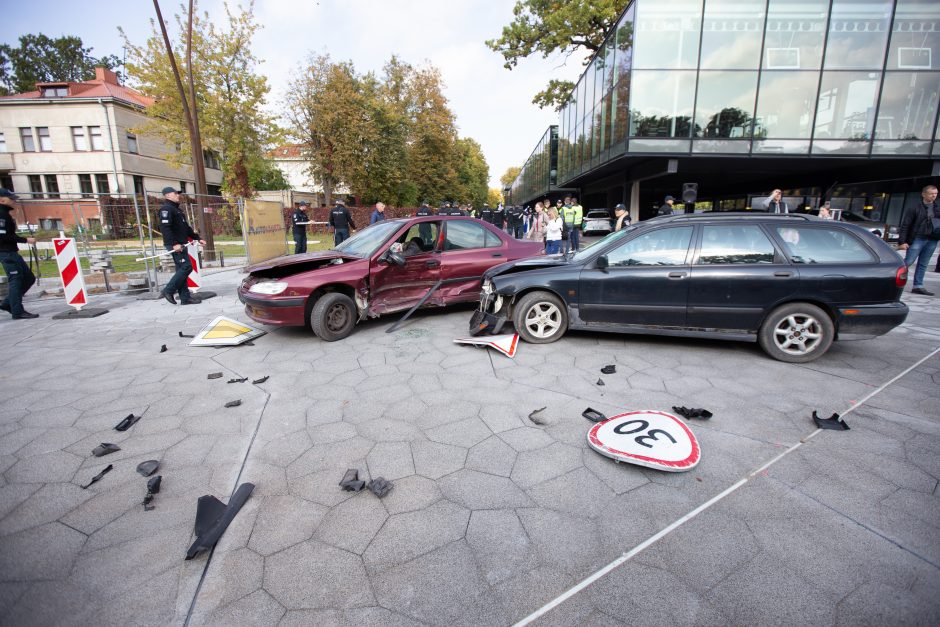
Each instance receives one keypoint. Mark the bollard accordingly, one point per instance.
(66, 256)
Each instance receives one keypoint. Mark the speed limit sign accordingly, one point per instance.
(647, 438)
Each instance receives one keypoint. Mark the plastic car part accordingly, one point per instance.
(380, 486)
(234, 403)
(185, 334)
(163, 348)
(593, 415)
(351, 482)
(213, 518)
(600, 382)
(153, 487)
(98, 477)
(611, 369)
(105, 448)
(127, 423)
(536, 416)
(833, 422)
(237, 380)
(147, 468)
(214, 375)
(261, 380)
(692, 412)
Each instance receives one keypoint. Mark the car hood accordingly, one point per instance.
(522, 265)
(305, 258)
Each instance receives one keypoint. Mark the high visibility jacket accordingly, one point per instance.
(578, 215)
(568, 215)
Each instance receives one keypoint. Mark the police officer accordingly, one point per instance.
(300, 220)
(19, 275)
(424, 210)
(623, 218)
(486, 213)
(450, 210)
(578, 221)
(499, 216)
(341, 221)
(424, 229)
(176, 234)
(567, 215)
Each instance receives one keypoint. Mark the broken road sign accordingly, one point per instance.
(506, 344)
(226, 332)
(647, 438)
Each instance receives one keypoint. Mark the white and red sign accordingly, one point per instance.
(647, 438)
(506, 344)
(66, 257)
(194, 280)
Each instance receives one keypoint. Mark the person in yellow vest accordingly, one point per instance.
(578, 220)
(569, 236)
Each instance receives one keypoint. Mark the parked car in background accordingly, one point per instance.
(793, 283)
(596, 221)
(389, 266)
(887, 232)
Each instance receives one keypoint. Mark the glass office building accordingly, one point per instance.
(805, 94)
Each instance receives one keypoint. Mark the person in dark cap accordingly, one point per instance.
(176, 234)
(622, 217)
(20, 277)
(300, 219)
(667, 209)
(448, 209)
(341, 221)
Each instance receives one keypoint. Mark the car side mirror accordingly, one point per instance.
(603, 263)
(396, 258)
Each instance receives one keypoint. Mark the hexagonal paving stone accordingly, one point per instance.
(284, 521)
(315, 575)
(406, 536)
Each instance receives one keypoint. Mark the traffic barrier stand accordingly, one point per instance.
(70, 269)
(194, 280)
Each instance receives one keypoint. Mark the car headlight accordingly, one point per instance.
(487, 287)
(268, 287)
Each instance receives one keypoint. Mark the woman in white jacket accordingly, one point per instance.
(553, 231)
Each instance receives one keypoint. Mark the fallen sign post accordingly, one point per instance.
(73, 283)
(648, 438)
(224, 331)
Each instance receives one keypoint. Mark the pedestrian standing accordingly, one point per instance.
(567, 218)
(775, 204)
(486, 214)
(578, 221)
(919, 232)
(378, 214)
(300, 220)
(176, 234)
(553, 230)
(341, 221)
(537, 224)
(514, 221)
(623, 218)
(19, 277)
(667, 208)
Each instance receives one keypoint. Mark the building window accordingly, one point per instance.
(915, 42)
(211, 159)
(858, 34)
(725, 105)
(3, 144)
(6, 182)
(96, 141)
(132, 143)
(51, 224)
(56, 91)
(667, 34)
(101, 182)
(35, 185)
(45, 141)
(182, 187)
(79, 142)
(84, 184)
(731, 34)
(785, 104)
(26, 134)
(139, 185)
(651, 115)
(795, 34)
(52, 186)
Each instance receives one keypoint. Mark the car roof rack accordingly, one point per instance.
(711, 215)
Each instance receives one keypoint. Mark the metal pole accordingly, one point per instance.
(140, 231)
(78, 225)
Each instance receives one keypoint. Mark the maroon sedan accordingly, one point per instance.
(390, 266)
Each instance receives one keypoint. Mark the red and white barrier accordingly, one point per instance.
(194, 280)
(66, 257)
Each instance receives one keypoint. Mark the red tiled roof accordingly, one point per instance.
(294, 151)
(97, 88)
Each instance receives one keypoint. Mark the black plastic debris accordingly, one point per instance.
(185, 334)
(833, 422)
(147, 468)
(536, 416)
(98, 477)
(237, 380)
(153, 487)
(163, 348)
(234, 403)
(593, 415)
(105, 448)
(214, 375)
(611, 369)
(127, 423)
(213, 518)
(380, 486)
(351, 482)
(692, 412)
(600, 382)
(261, 380)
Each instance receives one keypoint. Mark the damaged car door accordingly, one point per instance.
(404, 272)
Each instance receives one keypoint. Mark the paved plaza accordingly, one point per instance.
(493, 517)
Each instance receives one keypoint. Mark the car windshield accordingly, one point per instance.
(616, 236)
(598, 214)
(366, 242)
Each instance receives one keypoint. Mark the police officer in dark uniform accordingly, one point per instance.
(514, 221)
(499, 217)
(299, 219)
(450, 210)
(425, 229)
(20, 277)
(341, 221)
(176, 234)
(486, 213)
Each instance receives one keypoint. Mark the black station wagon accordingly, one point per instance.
(793, 283)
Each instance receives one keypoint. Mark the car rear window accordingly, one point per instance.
(467, 234)
(806, 244)
(735, 244)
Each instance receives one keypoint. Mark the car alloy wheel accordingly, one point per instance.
(540, 318)
(797, 333)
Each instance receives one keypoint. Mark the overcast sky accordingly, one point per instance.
(492, 104)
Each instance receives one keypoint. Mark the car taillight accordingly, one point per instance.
(900, 278)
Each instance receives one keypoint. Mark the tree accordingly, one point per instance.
(229, 93)
(549, 26)
(473, 174)
(510, 175)
(494, 197)
(41, 59)
(264, 175)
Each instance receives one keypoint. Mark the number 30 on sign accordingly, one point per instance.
(647, 438)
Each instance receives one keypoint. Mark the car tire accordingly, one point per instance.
(796, 333)
(333, 316)
(540, 318)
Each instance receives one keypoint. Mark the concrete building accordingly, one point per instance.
(72, 141)
(302, 186)
(825, 99)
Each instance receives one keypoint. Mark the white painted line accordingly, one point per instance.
(695, 512)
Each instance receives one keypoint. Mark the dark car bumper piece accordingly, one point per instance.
(868, 321)
(483, 323)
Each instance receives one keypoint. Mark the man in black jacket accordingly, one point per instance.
(918, 224)
(299, 220)
(341, 221)
(176, 234)
(19, 275)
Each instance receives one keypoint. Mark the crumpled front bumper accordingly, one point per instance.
(484, 321)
